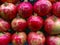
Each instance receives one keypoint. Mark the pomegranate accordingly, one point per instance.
(4, 25)
(8, 11)
(52, 25)
(5, 38)
(42, 7)
(25, 9)
(56, 9)
(35, 22)
(53, 40)
(19, 24)
(19, 38)
(9, 1)
(36, 38)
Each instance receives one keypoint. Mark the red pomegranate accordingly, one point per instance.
(56, 9)
(9, 1)
(4, 25)
(36, 38)
(53, 40)
(19, 38)
(25, 9)
(35, 22)
(5, 38)
(52, 25)
(8, 11)
(42, 7)
(19, 24)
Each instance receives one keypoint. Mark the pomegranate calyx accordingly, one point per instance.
(16, 32)
(5, 3)
(35, 14)
(1, 34)
(55, 18)
(25, 0)
(38, 32)
(18, 16)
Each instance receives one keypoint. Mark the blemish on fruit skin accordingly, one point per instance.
(36, 39)
(52, 25)
(53, 40)
(56, 26)
(19, 24)
(19, 38)
(58, 42)
(4, 25)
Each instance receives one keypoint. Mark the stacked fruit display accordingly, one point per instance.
(29, 22)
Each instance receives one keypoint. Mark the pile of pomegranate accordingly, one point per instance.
(29, 22)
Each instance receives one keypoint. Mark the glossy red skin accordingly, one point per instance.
(42, 7)
(53, 40)
(9, 1)
(37, 37)
(19, 38)
(35, 23)
(19, 24)
(25, 9)
(4, 25)
(5, 38)
(8, 11)
(56, 9)
(52, 25)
